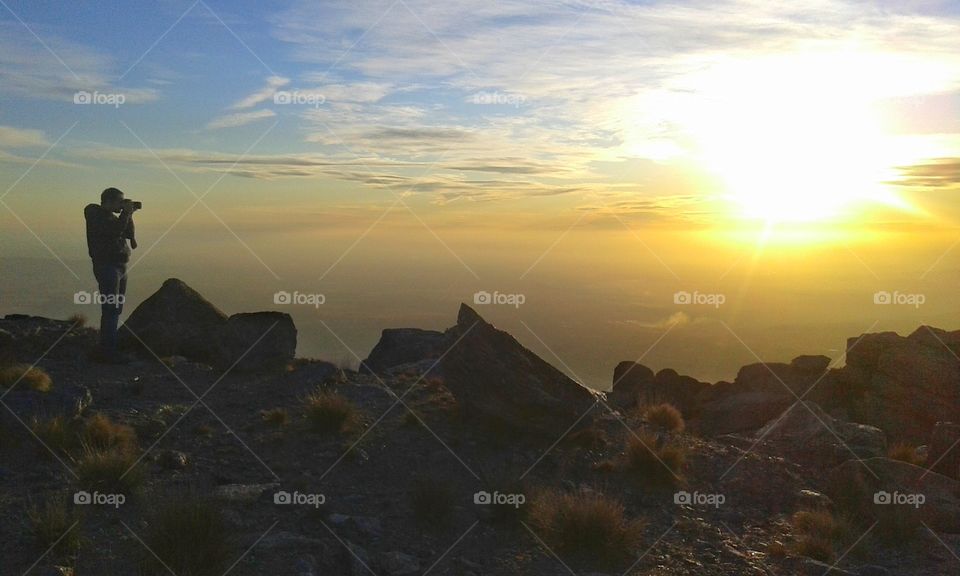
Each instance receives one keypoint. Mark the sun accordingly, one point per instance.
(796, 138)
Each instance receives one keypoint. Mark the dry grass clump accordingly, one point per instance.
(189, 536)
(818, 534)
(905, 452)
(25, 375)
(585, 527)
(329, 412)
(275, 416)
(653, 459)
(665, 417)
(54, 522)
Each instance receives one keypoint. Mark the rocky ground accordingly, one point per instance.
(395, 489)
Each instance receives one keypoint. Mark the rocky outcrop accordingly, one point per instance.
(494, 376)
(904, 385)
(760, 393)
(401, 346)
(878, 486)
(809, 434)
(635, 383)
(177, 321)
(944, 449)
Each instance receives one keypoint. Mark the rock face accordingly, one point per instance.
(809, 434)
(944, 456)
(256, 340)
(760, 393)
(399, 346)
(904, 385)
(494, 376)
(177, 320)
(635, 383)
(940, 509)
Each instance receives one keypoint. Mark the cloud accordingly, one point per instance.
(11, 137)
(942, 173)
(29, 70)
(239, 119)
(263, 94)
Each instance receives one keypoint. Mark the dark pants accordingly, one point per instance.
(112, 285)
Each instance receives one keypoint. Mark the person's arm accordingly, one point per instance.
(106, 227)
(130, 234)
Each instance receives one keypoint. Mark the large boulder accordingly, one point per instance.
(944, 454)
(807, 433)
(760, 393)
(494, 376)
(402, 346)
(881, 486)
(256, 340)
(904, 385)
(634, 384)
(177, 321)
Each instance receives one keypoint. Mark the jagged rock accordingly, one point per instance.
(256, 340)
(760, 393)
(630, 380)
(856, 483)
(398, 346)
(493, 375)
(944, 451)
(243, 492)
(739, 412)
(807, 431)
(67, 400)
(904, 385)
(172, 460)
(175, 320)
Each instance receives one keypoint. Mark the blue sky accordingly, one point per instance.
(459, 101)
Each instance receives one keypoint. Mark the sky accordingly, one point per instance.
(605, 152)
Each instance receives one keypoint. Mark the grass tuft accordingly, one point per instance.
(329, 412)
(25, 375)
(665, 417)
(189, 536)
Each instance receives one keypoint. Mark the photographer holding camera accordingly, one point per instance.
(107, 235)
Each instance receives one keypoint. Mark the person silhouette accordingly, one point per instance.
(107, 236)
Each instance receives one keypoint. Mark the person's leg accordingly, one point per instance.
(108, 284)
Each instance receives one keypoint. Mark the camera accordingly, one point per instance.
(132, 205)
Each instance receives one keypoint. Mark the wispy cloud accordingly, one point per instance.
(239, 119)
(11, 137)
(263, 94)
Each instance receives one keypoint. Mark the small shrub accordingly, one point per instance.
(58, 434)
(275, 416)
(189, 536)
(591, 437)
(328, 412)
(53, 522)
(654, 460)
(23, 374)
(585, 527)
(101, 433)
(432, 502)
(204, 430)
(665, 416)
(818, 534)
(112, 470)
(77, 320)
(905, 452)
